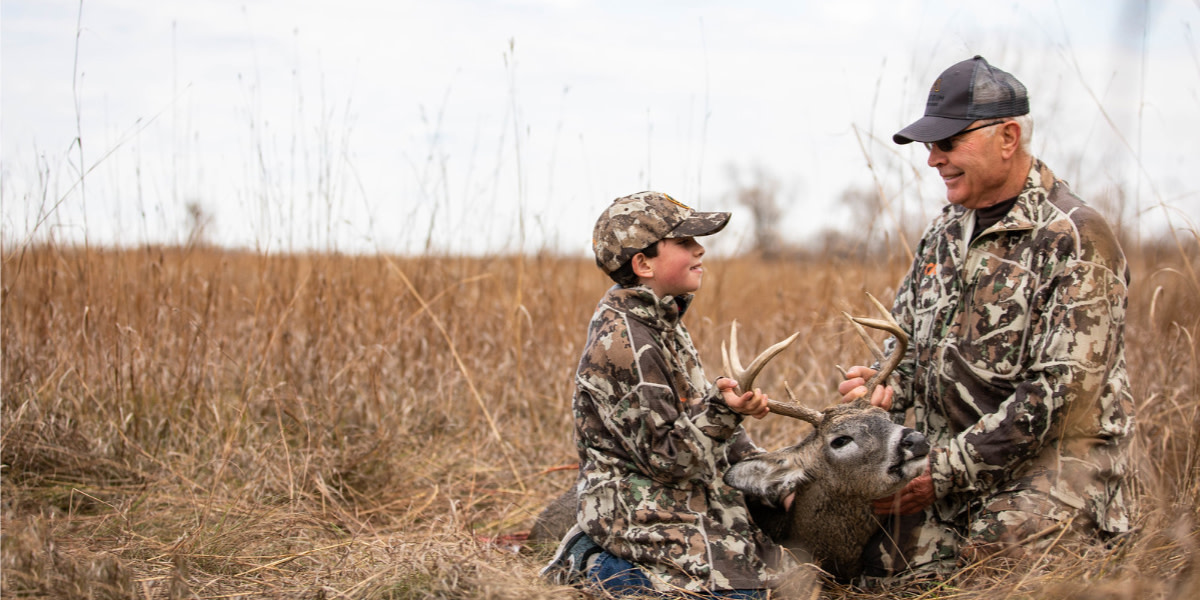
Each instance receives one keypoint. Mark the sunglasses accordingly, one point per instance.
(947, 144)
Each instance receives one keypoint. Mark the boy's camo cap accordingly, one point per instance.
(634, 222)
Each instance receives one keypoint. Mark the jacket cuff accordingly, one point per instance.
(717, 420)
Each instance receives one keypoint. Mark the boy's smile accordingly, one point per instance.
(678, 268)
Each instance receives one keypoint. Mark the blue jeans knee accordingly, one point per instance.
(619, 576)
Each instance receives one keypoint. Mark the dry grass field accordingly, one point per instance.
(204, 423)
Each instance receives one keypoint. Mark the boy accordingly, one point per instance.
(654, 436)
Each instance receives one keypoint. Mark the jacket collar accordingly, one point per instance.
(641, 302)
(1038, 184)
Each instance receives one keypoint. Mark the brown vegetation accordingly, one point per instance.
(214, 424)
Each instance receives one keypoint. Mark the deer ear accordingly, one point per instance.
(768, 477)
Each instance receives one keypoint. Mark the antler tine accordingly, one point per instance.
(733, 364)
(888, 324)
(862, 333)
(761, 360)
(794, 410)
(883, 310)
(746, 376)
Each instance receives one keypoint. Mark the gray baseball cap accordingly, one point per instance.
(966, 92)
(632, 223)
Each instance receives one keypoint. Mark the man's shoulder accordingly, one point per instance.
(1083, 229)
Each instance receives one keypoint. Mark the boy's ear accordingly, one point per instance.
(641, 266)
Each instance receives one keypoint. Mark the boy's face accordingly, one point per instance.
(677, 269)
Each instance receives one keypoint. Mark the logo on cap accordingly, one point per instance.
(675, 202)
(937, 85)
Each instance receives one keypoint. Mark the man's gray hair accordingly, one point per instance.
(1026, 123)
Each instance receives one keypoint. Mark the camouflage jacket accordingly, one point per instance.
(1016, 368)
(654, 441)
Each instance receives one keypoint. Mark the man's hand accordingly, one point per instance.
(914, 498)
(854, 387)
(751, 404)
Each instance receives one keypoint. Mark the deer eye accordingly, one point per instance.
(840, 441)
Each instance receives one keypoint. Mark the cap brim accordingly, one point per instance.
(931, 129)
(700, 224)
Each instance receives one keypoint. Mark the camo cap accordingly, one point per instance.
(632, 223)
(966, 92)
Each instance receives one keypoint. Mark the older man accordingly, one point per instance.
(1015, 306)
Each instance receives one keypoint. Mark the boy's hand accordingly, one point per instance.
(751, 404)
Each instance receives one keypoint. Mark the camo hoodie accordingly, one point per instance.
(1016, 369)
(654, 441)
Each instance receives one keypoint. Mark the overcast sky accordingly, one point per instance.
(364, 125)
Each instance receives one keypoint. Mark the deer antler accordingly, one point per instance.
(733, 365)
(888, 324)
(795, 410)
(746, 376)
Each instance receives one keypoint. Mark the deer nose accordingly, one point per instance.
(913, 441)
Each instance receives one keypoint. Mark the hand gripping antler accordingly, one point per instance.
(746, 376)
(888, 324)
(887, 364)
(733, 365)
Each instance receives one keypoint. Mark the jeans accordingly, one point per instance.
(623, 578)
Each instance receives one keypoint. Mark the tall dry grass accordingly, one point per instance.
(203, 423)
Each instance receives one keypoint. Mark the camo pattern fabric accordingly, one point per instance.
(654, 441)
(1011, 525)
(1016, 366)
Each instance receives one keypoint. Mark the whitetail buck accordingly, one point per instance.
(853, 455)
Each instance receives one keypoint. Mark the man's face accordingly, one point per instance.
(972, 168)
